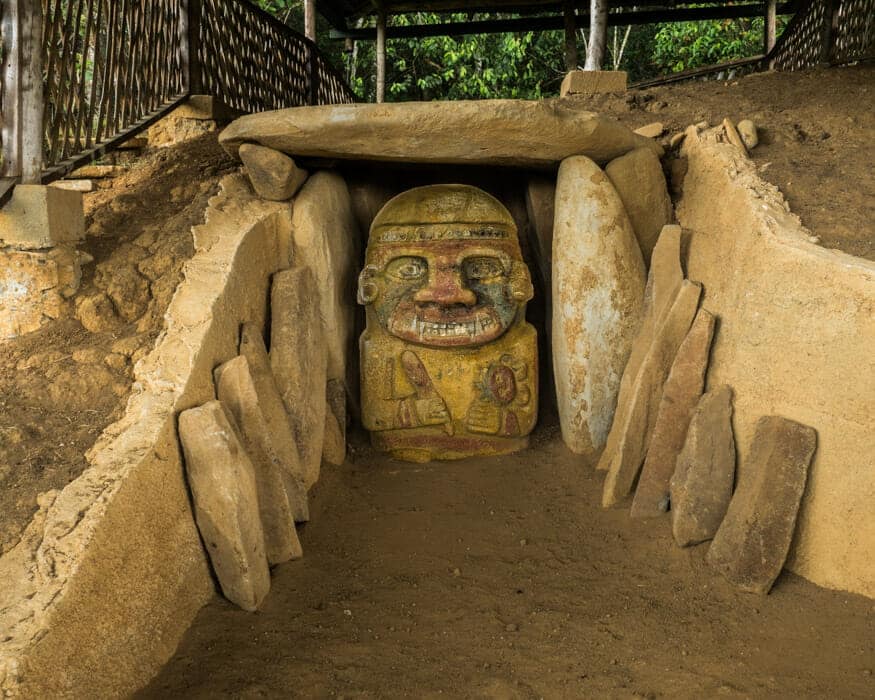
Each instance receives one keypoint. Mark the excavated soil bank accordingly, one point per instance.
(504, 578)
(62, 385)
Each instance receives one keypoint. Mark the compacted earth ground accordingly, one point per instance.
(492, 577)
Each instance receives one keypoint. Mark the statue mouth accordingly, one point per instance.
(451, 327)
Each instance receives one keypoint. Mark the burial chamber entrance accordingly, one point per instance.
(457, 286)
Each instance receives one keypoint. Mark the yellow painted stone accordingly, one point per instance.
(449, 365)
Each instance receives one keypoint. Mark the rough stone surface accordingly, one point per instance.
(238, 394)
(702, 482)
(368, 194)
(326, 240)
(298, 359)
(752, 543)
(637, 426)
(591, 82)
(39, 216)
(540, 203)
(84, 557)
(681, 393)
(663, 282)
(334, 449)
(273, 174)
(638, 179)
(34, 287)
(225, 492)
(598, 295)
(797, 328)
(495, 132)
(748, 132)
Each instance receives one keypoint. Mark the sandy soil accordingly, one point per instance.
(504, 578)
(61, 386)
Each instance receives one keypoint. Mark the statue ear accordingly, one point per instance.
(368, 289)
(521, 282)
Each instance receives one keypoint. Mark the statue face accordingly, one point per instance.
(448, 293)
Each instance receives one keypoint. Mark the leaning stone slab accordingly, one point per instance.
(638, 179)
(225, 493)
(598, 294)
(664, 279)
(282, 437)
(681, 393)
(520, 133)
(298, 359)
(238, 394)
(273, 174)
(636, 428)
(326, 240)
(752, 543)
(702, 483)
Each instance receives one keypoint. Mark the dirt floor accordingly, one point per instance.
(62, 385)
(504, 578)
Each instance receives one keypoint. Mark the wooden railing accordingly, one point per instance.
(82, 76)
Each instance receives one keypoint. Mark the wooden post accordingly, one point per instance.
(193, 46)
(310, 19)
(381, 54)
(827, 35)
(571, 58)
(598, 35)
(11, 90)
(769, 23)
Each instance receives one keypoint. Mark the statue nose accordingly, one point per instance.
(445, 287)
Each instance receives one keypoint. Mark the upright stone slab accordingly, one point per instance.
(598, 297)
(274, 411)
(334, 448)
(239, 395)
(225, 493)
(637, 425)
(702, 482)
(681, 393)
(326, 240)
(638, 179)
(663, 282)
(752, 543)
(273, 174)
(540, 203)
(298, 359)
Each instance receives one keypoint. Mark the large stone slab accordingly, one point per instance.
(299, 361)
(663, 282)
(681, 393)
(702, 483)
(638, 178)
(496, 132)
(273, 175)
(225, 492)
(752, 543)
(326, 240)
(598, 297)
(238, 394)
(636, 428)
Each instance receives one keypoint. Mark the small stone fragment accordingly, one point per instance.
(638, 179)
(222, 481)
(677, 139)
(273, 174)
(651, 131)
(298, 360)
(732, 135)
(237, 392)
(748, 132)
(752, 543)
(702, 483)
(681, 393)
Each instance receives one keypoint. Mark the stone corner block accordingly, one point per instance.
(591, 82)
(39, 216)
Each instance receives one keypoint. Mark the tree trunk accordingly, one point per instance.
(598, 34)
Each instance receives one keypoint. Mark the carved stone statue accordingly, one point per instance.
(449, 365)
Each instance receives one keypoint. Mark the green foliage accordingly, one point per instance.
(686, 45)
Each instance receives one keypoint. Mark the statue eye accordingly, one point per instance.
(483, 268)
(407, 268)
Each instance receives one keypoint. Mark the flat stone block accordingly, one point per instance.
(225, 492)
(238, 393)
(591, 82)
(702, 482)
(75, 185)
(752, 543)
(39, 216)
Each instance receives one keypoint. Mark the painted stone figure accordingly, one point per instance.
(449, 364)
